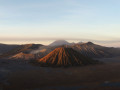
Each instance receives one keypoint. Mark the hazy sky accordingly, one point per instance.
(59, 19)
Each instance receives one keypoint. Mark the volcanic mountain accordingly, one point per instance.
(59, 43)
(27, 48)
(65, 57)
(95, 51)
(90, 49)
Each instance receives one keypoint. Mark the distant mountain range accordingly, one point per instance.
(38, 51)
(88, 49)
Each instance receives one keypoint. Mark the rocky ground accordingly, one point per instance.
(19, 75)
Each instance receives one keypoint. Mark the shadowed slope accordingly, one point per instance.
(65, 57)
(6, 47)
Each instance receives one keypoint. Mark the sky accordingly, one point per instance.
(42, 21)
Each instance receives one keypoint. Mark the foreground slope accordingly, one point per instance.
(65, 57)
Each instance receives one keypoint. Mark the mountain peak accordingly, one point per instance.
(59, 43)
(65, 57)
(90, 43)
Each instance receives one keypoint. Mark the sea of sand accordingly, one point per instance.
(21, 75)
